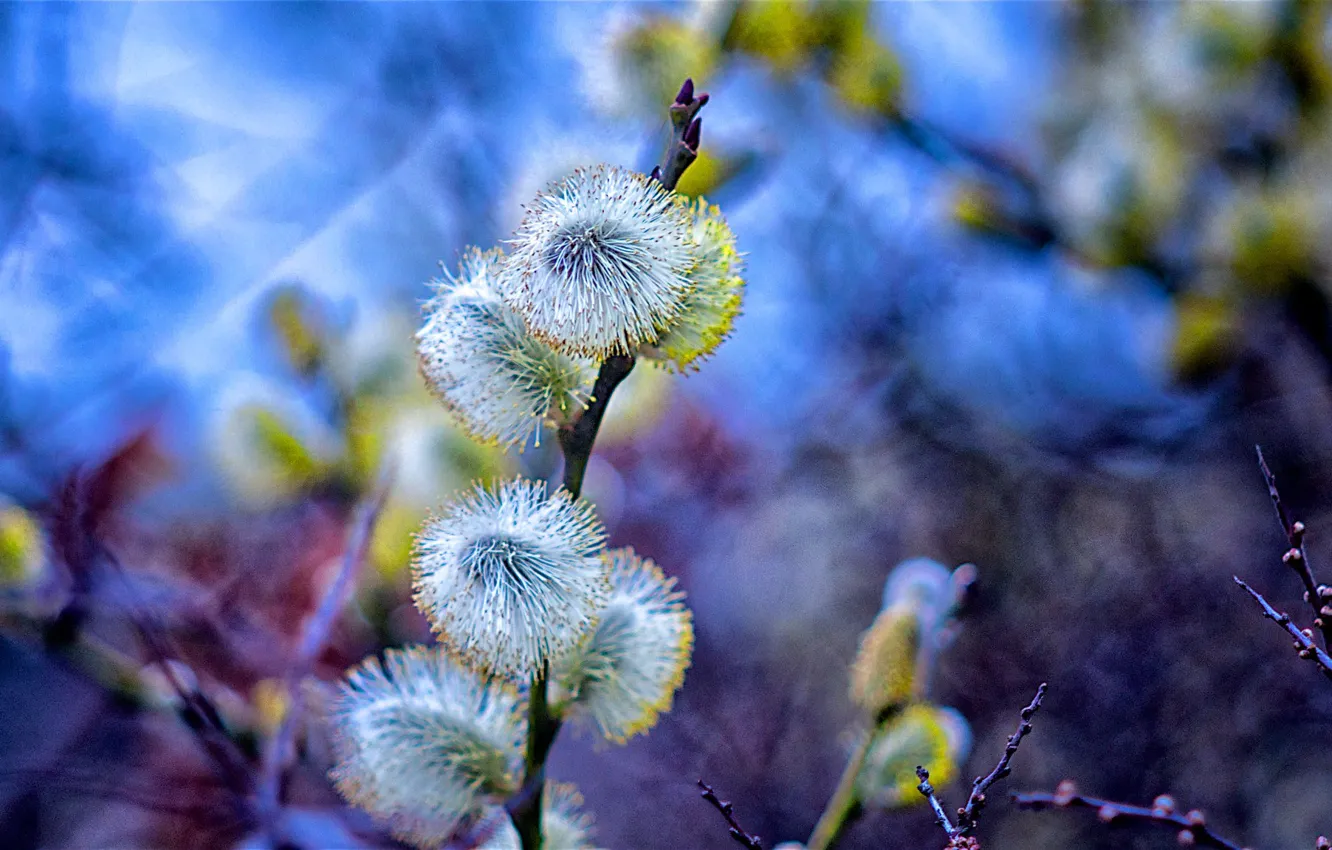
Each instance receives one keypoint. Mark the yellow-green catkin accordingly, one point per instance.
(884, 670)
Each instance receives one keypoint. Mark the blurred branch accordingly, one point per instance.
(576, 441)
(960, 584)
(192, 790)
(278, 752)
(196, 709)
(959, 834)
(1303, 638)
(1297, 557)
(1193, 829)
(843, 806)
(1033, 225)
(737, 832)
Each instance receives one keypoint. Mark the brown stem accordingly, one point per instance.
(966, 819)
(577, 438)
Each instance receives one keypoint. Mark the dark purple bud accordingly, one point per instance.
(703, 99)
(656, 173)
(686, 95)
(693, 133)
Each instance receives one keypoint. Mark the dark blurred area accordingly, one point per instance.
(1027, 283)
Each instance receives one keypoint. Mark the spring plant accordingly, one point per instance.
(537, 623)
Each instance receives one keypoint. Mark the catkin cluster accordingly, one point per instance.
(514, 579)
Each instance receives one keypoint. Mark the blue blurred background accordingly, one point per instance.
(1027, 282)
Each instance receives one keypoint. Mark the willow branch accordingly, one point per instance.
(966, 818)
(576, 441)
(577, 438)
(1192, 825)
(737, 832)
(936, 805)
(959, 833)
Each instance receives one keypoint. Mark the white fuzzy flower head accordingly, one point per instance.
(600, 263)
(627, 671)
(564, 825)
(712, 305)
(424, 744)
(510, 578)
(477, 357)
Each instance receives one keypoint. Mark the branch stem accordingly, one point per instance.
(1192, 825)
(576, 440)
(525, 809)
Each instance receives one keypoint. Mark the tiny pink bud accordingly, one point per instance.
(1163, 805)
(1065, 792)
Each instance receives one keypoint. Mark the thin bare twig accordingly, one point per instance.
(1192, 825)
(1297, 557)
(277, 754)
(728, 811)
(927, 790)
(966, 818)
(1304, 644)
(959, 834)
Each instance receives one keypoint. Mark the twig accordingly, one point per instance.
(959, 834)
(576, 440)
(966, 818)
(686, 133)
(277, 754)
(741, 837)
(1297, 557)
(1304, 644)
(1193, 829)
(927, 790)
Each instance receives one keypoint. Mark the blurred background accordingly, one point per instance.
(1027, 282)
